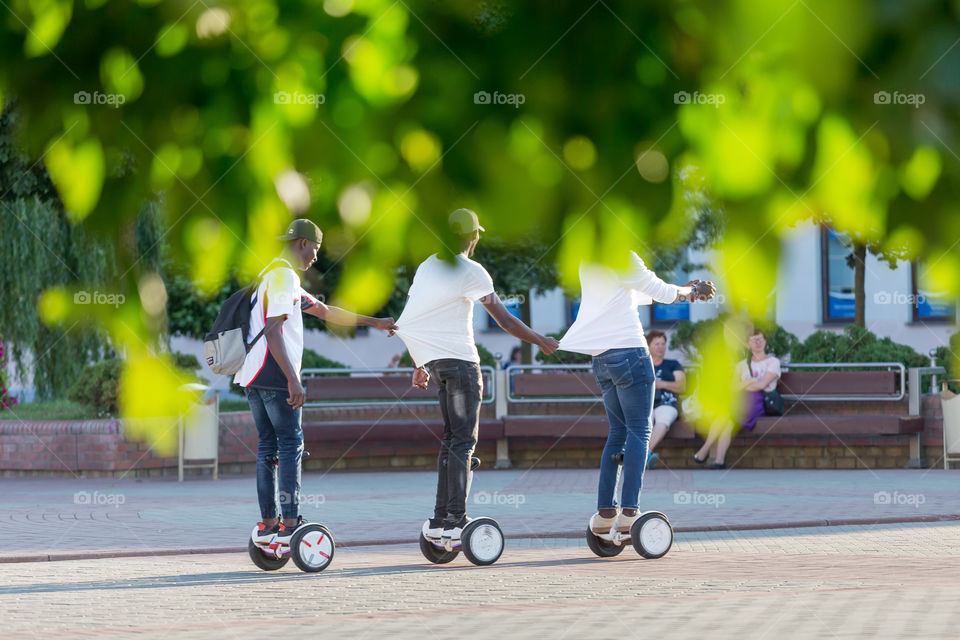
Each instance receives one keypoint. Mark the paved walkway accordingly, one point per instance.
(890, 581)
(54, 518)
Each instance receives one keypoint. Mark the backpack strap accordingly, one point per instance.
(256, 285)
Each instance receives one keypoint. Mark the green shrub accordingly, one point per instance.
(855, 344)
(687, 336)
(5, 400)
(96, 387)
(948, 357)
(562, 357)
(187, 363)
(486, 358)
(313, 360)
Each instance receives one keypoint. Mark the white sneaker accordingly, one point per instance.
(453, 531)
(624, 522)
(432, 529)
(601, 525)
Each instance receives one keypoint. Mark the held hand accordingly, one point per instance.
(296, 392)
(421, 378)
(704, 290)
(549, 345)
(385, 324)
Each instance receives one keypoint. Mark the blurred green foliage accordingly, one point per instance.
(376, 118)
(688, 337)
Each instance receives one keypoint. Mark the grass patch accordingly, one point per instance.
(233, 405)
(49, 410)
(68, 410)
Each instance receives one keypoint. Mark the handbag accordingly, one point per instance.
(772, 400)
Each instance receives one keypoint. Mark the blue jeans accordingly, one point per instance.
(278, 426)
(461, 391)
(626, 378)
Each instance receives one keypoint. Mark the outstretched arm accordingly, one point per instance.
(336, 315)
(516, 327)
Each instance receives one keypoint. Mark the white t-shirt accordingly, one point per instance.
(760, 369)
(608, 316)
(437, 321)
(279, 294)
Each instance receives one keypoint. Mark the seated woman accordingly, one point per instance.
(670, 383)
(757, 374)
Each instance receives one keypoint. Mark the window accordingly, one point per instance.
(669, 313)
(573, 308)
(513, 306)
(930, 306)
(837, 277)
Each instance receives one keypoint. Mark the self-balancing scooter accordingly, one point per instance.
(311, 546)
(651, 535)
(482, 540)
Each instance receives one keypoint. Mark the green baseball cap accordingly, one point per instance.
(464, 222)
(303, 228)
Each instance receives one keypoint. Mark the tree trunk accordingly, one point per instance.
(526, 348)
(859, 292)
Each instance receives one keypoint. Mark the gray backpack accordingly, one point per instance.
(225, 347)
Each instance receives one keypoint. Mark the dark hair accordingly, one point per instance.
(757, 331)
(656, 333)
(515, 351)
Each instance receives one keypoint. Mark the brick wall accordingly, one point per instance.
(94, 447)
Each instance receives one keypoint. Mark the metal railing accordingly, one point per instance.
(916, 376)
(489, 390)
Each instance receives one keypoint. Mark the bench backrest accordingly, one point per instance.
(373, 387)
(839, 383)
(794, 383)
(580, 383)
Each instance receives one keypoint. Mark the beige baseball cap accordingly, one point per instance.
(464, 221)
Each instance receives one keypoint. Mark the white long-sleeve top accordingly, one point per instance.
(608, 316)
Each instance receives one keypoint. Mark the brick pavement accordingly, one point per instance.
(833, 582)
(66, 516)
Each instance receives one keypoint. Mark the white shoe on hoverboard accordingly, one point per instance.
(480, 539)
(310, 545)
(650, 534)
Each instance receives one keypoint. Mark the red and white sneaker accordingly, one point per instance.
(264, 535)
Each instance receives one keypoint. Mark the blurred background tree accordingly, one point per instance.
(589, 123)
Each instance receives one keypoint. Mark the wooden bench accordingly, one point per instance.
(384, 388)
(802, 390)
(393, 391)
